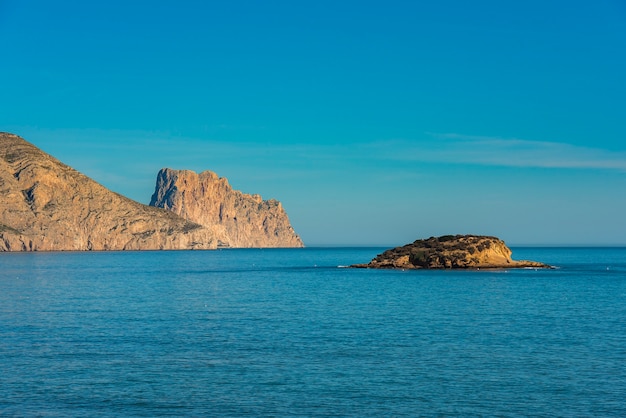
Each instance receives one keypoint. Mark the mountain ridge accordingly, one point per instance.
(46, 205)
(240, 220)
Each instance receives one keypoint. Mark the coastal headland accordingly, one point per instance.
(46, 205)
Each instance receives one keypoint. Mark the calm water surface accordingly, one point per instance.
(288, 333)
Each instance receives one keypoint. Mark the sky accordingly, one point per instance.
(373, 122)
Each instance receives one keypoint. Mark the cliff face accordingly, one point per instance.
(46, 205)
(238, 219)
(450, 252)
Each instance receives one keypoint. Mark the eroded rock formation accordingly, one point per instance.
(237, 219)
(450, 252)
(46, 205)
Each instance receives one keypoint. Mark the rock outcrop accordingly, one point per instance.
(46, 205)
(238, 220)
(450, 252)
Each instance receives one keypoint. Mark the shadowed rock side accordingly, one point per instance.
(46, 205)
(238, 220)
(450, 252)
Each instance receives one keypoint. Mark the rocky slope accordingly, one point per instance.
(46, 205)
(238, 219)
(450, 252)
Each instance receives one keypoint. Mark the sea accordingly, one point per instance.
(293, 332)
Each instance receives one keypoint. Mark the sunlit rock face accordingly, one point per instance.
(46, 205)
(238, 220)
(450, 252)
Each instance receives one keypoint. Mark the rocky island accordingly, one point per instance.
(46, 205)
(450, 252)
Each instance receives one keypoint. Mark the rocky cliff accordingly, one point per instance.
(450, 252)
(238, 219)
(46, 205)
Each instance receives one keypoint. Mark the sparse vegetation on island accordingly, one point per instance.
(450, 252)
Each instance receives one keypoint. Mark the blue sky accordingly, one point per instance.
(375, 123)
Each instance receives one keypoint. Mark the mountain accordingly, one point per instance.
(237, 219)
(46, 205)
(450, 252)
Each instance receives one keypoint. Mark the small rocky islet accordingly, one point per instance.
(450, 252)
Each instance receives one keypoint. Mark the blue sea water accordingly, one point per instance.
(286, 332)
